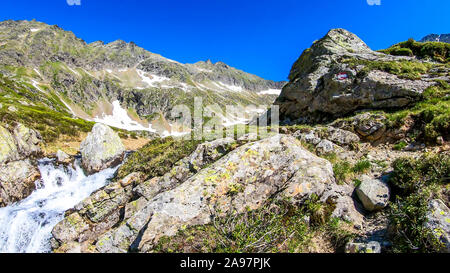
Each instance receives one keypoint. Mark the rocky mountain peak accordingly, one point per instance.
(445, 38)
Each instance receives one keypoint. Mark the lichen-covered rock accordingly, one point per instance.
(8, 148)
(342, 137)
(114, 203)
(439, 223)
(243, 179)
(370, 247)
(324, 85)
(325, 147)
(101, 149)
(373, 193)
(309, 137)
(17, 181)
(28, 141)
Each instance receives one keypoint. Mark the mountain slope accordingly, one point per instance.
(120, 81)
(445, 38)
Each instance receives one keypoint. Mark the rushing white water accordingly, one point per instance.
(25, 227)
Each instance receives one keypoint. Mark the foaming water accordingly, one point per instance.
(25, 227)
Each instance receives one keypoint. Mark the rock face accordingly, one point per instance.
(101, 149)
(439, 223)
(323, 84)
(373, 193)
(17, 181)
(196, 190)
(8, 148)
(17, 173)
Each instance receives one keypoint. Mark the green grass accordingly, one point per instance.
(276, 227)
(416, 182)
(436, 51)
(157, 157)
(403, 69)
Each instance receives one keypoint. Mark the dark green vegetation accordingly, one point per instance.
(43, 112)
(436, 51)
(431, 117)
(404, 69)
(344, 171)
(276, 227)
(157, 157)
(416, 182)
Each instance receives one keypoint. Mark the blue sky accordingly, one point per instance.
(263, 37)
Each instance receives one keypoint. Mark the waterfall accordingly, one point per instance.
(25, 227)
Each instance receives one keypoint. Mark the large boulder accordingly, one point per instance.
(439, 223)
(332, 79)
(373, 193)
(101, 149)
(17, 181)
(28, 141)
(243, 179)
(8, 148)
(103, 209)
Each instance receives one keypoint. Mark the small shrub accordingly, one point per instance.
(400, 146)
(342, 171)
(362, 166)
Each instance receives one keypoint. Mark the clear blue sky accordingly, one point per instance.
(263, 37)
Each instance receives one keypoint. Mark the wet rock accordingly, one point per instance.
(17, 181)
(101, 149)
(63, 158)
(373, 193)
(439, 223)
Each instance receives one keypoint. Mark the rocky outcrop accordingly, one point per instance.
(101, 149)
(17, 173)
(439, 223)
(8, 148)
(103, 209)
(373, 193)
(17, 181)
(324, 84)
(196, 190)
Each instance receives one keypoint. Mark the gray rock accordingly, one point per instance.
(370, 247)
(309, 137)
(373, 193)
(342, 137)
(101, 149)
(17, 181)
(8, 148)
(323, 85)
(439, 223)
(62, 157)
(325, 147)
(28, 141)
